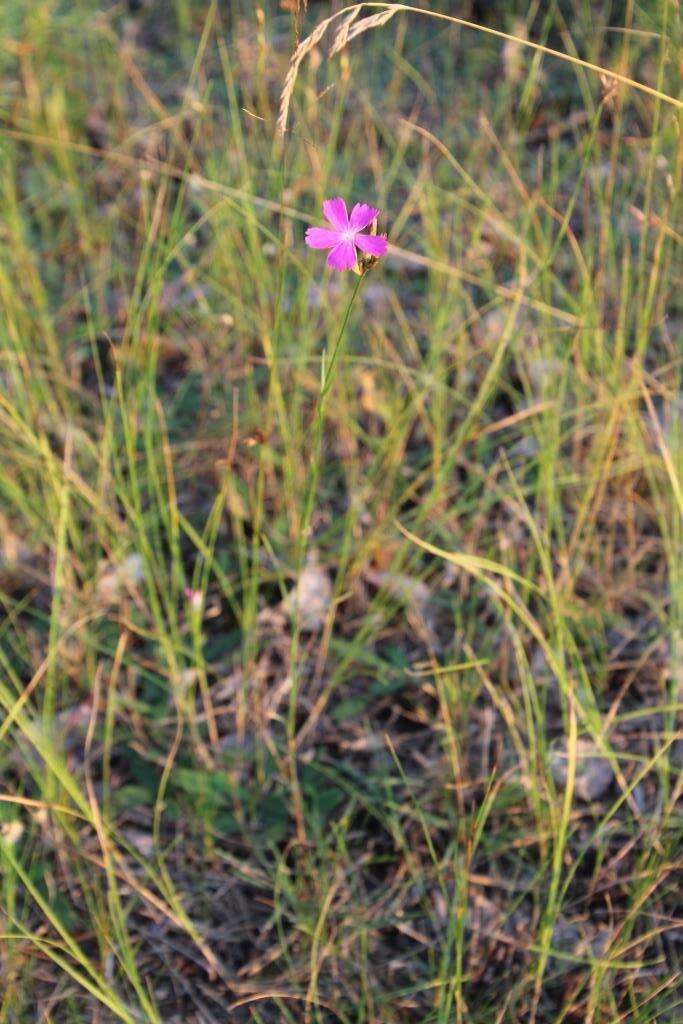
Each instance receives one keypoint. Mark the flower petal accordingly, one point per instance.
(362, 215)
(343, 256)
(336, 213)
(322, 238)
(375, 245)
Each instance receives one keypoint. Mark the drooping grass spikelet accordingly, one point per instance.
(302, 50)
(346, 33)
(349, 29)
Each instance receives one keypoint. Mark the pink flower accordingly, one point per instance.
(345, 236)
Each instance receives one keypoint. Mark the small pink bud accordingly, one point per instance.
(195, 598)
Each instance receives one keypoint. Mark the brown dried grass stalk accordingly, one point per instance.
(298, 9)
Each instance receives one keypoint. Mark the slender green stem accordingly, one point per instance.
(326, 380)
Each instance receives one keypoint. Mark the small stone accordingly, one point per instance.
(544, 374)
(311, 597)
(409, 590)
(527, 448)
(11, 831)
(593, 772)
(377, 297)
(566, 937)
(601, 941)
(119, 578)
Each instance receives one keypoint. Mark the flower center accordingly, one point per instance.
(348, 235)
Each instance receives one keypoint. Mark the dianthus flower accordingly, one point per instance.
(347, 235)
